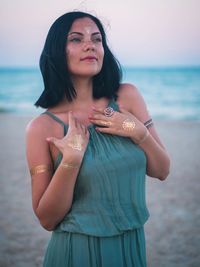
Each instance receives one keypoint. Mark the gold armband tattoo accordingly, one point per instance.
(40, 169)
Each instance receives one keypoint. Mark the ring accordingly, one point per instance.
(108, 112)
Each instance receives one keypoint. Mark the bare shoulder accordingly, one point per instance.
(130, 98)
(37, 131)
(37, 148)
(38, 125)
(127, 88)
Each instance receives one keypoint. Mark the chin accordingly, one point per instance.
(85, 69)
(87, 73)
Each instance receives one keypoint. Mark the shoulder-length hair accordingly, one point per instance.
(54, 69)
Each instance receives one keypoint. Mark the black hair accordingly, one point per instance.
(53, 65)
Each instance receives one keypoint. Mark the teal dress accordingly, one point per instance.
(104, 227)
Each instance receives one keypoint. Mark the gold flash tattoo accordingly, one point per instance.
(40, 169)
(128, 125)
(76, 142)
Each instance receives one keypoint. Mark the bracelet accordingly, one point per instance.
(149, 123)
(69, 166)
(146, 134)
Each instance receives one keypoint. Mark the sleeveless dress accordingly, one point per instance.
(104, 227)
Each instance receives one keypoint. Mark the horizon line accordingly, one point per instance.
(123, 66)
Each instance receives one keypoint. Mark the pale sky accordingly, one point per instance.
(140, 32)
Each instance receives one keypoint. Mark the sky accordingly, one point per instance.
(140, 32)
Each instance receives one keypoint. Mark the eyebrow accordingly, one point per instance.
(94, 33)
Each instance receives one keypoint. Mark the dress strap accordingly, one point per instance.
(59, 157)
(57, 119)
(113, 104)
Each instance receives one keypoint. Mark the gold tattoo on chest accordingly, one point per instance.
(128, 125)
(76, 142)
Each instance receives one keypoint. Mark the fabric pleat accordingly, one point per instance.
(68, 249)
(104, 227)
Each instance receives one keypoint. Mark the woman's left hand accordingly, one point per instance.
(121, 123)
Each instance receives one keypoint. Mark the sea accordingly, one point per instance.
(171, 93)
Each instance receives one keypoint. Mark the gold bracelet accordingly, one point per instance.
(40, 169)
(146, 134)
(69, 166)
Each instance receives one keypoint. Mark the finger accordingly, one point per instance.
(102, 123)
(105, 130)
(71, 119)
(52, 140)
(97, 117)
(78, 125)
(85, 130)
(97, 109)
(87, 133)
(82, 128)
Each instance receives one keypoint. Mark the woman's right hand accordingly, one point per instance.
(73, 145)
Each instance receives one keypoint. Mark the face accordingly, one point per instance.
(84, 49)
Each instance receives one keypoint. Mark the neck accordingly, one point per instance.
(84, 98)
(83, 89)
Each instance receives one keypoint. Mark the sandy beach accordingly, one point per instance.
(172, 232)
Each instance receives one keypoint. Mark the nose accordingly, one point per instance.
(89, 45)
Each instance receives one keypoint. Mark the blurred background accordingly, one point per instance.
(158, 45)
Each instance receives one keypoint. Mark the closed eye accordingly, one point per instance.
(97, 39)
(75, 40)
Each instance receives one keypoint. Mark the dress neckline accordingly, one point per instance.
(112, 103)
(89, 126)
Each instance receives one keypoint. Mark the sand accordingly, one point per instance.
(172, 231)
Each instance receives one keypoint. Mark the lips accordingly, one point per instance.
(89, 58)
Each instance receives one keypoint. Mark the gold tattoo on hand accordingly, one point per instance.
(40, 169)
(128, 125)
(76, 142)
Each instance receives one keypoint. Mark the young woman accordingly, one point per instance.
(89, 152)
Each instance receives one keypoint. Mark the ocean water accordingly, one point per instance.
(170, 93)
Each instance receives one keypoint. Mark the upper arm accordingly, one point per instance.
(131, 99)
(37, 153)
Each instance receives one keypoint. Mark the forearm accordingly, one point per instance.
(158, 161)
(57, 199)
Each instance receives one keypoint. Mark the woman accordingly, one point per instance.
(88, 153)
